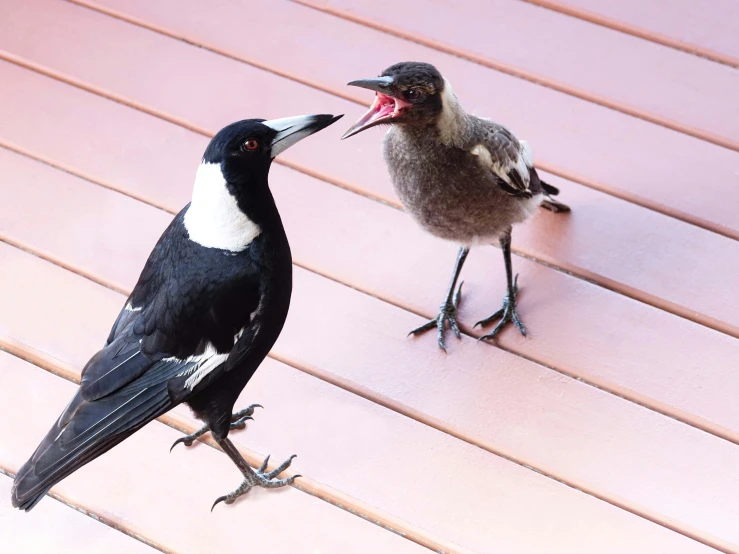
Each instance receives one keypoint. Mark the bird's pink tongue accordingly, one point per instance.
(383, 108)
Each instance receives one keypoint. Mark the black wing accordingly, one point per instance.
(127, 384)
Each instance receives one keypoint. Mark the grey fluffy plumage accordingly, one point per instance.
(462, 178)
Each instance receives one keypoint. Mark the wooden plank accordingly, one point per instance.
(55, 527)
(567, 54)
(158, 497)
(474, 395)
(372, 449)
(625, 156)
(703, 27)
(651, 357)
(599, 224)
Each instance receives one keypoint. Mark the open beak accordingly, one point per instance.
(384, 109)
(293, 129)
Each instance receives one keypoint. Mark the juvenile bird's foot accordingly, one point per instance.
(259, 478)
(448, 312)
(238, 421)
(506, 314)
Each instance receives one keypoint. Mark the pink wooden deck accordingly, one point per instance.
(612, 429)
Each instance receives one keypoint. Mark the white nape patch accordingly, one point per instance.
(129, 308)
(451, 119)
(214, 219)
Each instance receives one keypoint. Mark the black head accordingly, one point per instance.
(407, 93)
(245, 149)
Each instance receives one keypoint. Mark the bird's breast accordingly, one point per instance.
(448, 192)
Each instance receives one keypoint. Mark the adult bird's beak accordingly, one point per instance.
(385, 107)
(293, 129)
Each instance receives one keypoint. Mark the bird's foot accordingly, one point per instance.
(238, 421)
(506, 314)
(448, 312)
(259, 478)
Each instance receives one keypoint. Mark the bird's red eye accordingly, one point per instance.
(251, 144)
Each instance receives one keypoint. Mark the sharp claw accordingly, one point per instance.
(440, 340)
(184, 440)
(489, 320)
(219, 499)
(279, 469)
(241, 423)
(423, 328)
(250, 410)
(264, 465)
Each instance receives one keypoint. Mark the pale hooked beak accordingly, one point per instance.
(385, 107)
(293, 129)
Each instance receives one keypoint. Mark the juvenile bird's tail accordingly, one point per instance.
(550, 203)
(551, 190)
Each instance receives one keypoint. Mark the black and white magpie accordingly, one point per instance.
(462, 178)
(209, 304)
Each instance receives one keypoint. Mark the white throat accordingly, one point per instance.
(214, 218)
(451, 121)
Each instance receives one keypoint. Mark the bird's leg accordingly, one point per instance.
(507, 313)
(448, 310)
(238, 421)
(252, 478)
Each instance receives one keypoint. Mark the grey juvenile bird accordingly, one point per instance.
(462, 178)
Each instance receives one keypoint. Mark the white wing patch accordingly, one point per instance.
(203, 364)
(129, 308)
(522, 164)
(527, 154)
(214, 219)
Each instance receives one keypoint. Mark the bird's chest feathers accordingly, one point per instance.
(214, 218)
(422, 167)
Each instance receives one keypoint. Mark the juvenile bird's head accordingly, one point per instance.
(407, 93)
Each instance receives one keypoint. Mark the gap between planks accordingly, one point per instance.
(627, 395)
(580, 273)
(569, 175)
(305, 484)
(358, 507)
(113, 523)
(630, 396)
(639, 32)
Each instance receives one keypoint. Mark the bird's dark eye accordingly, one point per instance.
(251, 144)
(413, 94)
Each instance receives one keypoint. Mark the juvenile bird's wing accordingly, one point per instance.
(128, 382)
(510, 160)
